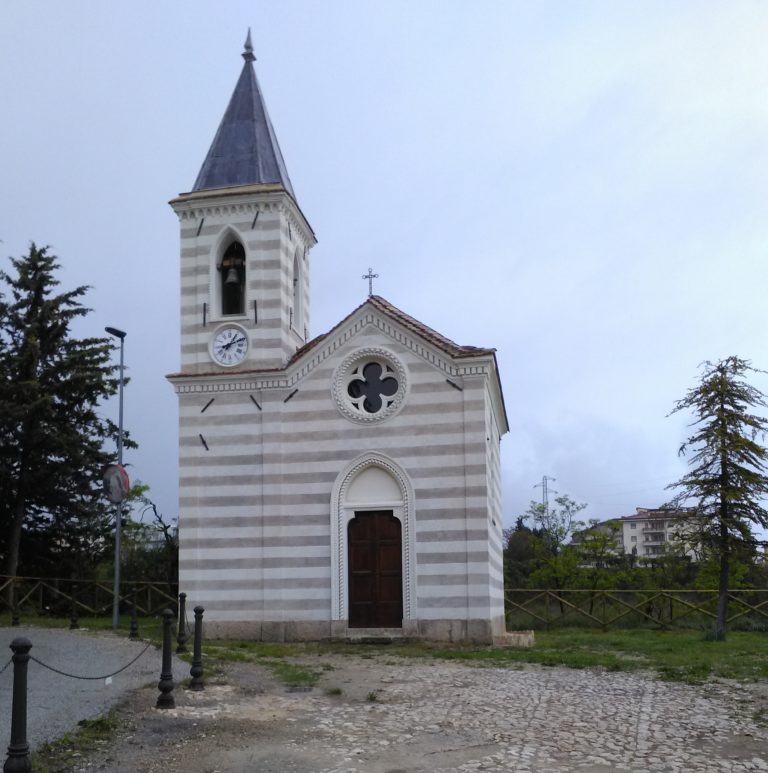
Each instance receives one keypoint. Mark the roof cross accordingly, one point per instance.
(370, 276)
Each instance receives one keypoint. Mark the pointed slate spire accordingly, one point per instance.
(244, 150)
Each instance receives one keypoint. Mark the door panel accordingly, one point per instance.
(375, 570)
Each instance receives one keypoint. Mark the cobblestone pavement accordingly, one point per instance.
(452, 717)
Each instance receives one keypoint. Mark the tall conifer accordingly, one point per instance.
(727, 482)
(51, 434)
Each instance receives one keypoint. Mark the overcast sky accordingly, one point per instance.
(582, 185)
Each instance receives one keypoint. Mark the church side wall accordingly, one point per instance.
(495, 513)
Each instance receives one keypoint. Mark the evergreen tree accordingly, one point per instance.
(520, 551)
(51, 436)
(727, 481)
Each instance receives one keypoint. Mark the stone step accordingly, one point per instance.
(375, 636)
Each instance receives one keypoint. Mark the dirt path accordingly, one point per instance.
(387, 715)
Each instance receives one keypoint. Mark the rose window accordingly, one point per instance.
(372, 387)
(369, 385)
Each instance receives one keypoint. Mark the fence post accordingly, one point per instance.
(134, 632)
(196, 672)
(73, 624)
(18, 760)
(166, 700)
(181, 635)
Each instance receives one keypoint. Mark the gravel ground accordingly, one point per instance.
(55, 703)
(438, 717)
(383, 714)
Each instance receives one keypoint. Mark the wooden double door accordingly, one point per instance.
(375, 570)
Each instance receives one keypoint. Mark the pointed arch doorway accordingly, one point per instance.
(371, 525)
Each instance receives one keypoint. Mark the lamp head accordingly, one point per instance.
(113, 331)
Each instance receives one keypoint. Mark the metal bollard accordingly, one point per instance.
(73, 623)
(166, 700)
(134, 632)
(18, 760)
(181, 636)
(196, 672)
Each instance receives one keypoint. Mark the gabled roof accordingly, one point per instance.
(385, 307)
(245, 149)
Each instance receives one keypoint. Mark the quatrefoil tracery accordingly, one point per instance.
(371, 385)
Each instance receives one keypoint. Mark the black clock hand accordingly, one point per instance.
(233, 341)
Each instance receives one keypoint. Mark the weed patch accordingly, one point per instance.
(62, 753)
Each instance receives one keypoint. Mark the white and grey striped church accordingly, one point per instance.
(340, 486)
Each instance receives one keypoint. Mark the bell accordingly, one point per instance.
(232, 277)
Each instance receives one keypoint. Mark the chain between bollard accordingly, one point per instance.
(6, 665)
(95, 678)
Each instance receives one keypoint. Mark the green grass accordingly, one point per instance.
(686, 656)
(280, 659)
(680, 655)
(64, 752)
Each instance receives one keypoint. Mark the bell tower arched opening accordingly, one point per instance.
(231, 280)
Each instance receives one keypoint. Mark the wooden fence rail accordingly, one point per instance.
(535, 608)
(59, 597)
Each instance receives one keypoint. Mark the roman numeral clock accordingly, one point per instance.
(229, 345)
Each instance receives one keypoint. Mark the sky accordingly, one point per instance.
(581, 185)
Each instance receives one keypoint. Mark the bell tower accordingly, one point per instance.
(244, 246)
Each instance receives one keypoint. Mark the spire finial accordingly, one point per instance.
(248, 53)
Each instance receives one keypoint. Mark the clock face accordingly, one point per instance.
(229, 346)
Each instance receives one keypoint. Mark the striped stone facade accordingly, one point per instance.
(269, 461)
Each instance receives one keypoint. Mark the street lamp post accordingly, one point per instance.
(119, 518)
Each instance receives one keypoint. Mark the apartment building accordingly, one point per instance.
(649, 531)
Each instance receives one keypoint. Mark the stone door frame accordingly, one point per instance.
(342, 512)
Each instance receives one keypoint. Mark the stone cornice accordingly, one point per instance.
(246, 199)
(481, 365)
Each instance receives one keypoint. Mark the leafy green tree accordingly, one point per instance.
(557, 571)
(599, 550)
(51, 435)
(727, 479)
(555, 524)
(555, 565)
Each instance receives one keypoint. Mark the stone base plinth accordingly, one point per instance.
(519, 639)
(476, 631)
